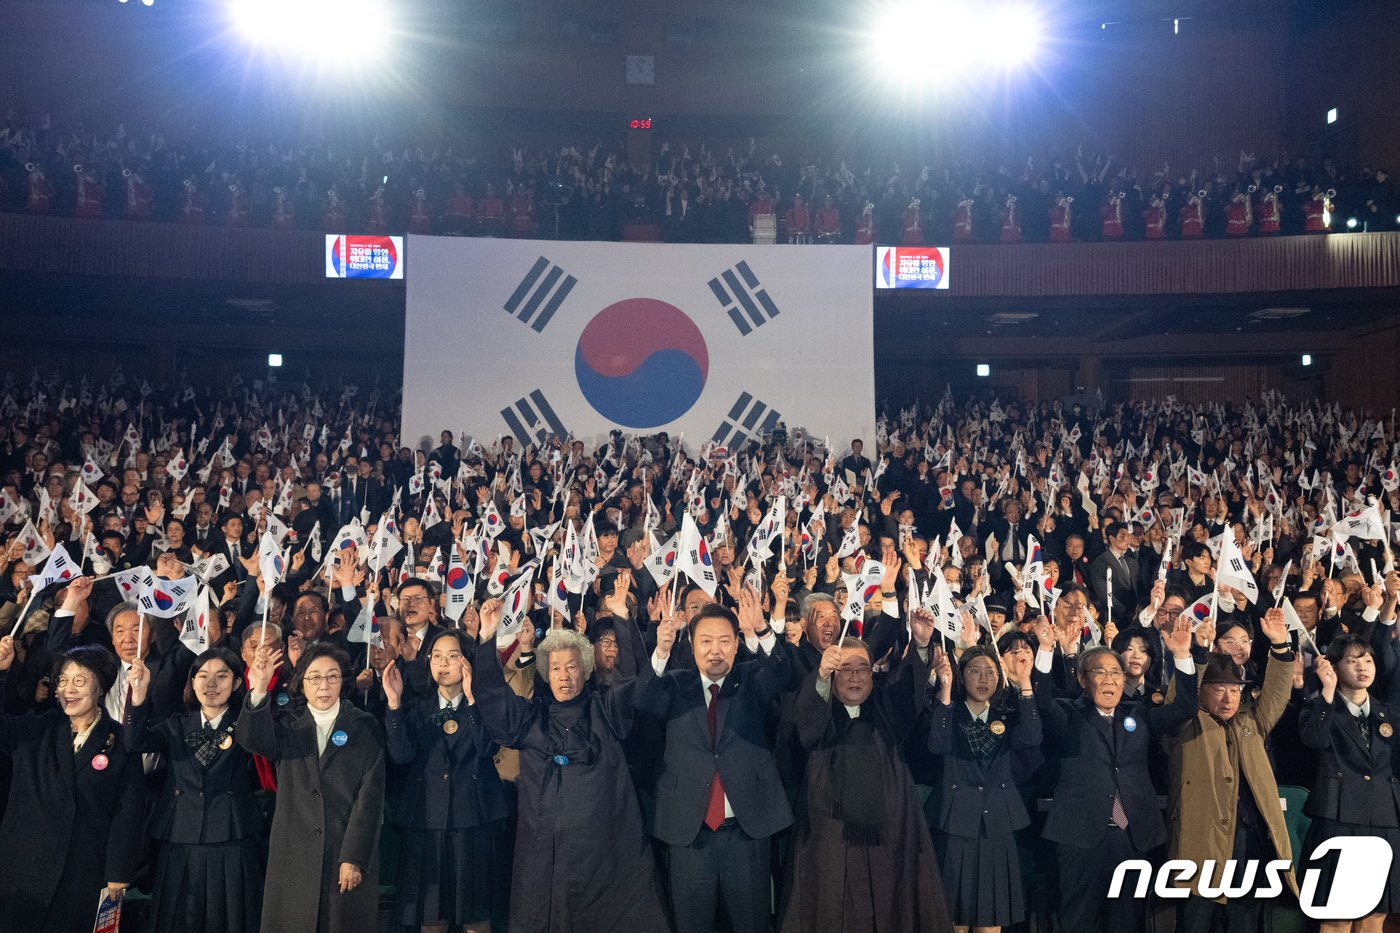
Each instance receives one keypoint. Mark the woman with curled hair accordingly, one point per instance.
(582, 861)
(209, 874)
(977, 806)
(73, 823)
(323, 867)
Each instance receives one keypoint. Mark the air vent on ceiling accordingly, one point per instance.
(1012, 317)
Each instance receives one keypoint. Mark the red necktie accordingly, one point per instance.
(714, 810)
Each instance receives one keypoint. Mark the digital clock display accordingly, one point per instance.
(639, 123)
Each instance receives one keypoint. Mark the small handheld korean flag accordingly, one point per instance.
(194, 635)
(491, 520)
(1166, 563)
(271, 561)
(365, 629)
(92, 472)
(558, 592)
(694, 560)
(515, 606)
(457, 585)
(760, 545)
(207, 568)
(57, 568)
(167, 599)
(177, 466)
(35, 550)
(383, 547)
(1201, 609)
(131, 582)
(661, 564)
(1235, 572)
(850, 542)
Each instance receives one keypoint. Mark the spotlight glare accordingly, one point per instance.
(1015, 33)
(928, 42)
(1351, 223)
(350, 32)
(274, 359)
(1307, 359)
(984, 369)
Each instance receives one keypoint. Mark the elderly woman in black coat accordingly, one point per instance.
(454, 865)
(582, 861)
(73, 824)
(323, 867)
(209, 874)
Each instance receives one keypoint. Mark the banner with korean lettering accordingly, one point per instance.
(912, 267)
(364, 257)
(536, 339)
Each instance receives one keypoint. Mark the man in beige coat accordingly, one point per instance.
(1224, 799)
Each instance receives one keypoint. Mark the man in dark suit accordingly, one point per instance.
(1105, 809)
(718, 799)
(1125, 575)
(362, 494)
(857, 462)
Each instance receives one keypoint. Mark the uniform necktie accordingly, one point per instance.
(1119, 816)
(1365, 727)
(714, 810)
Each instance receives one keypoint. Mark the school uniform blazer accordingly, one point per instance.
(448, 784)
(197, 805)
(976, 796)
(741, 753)
(1354, 784)
(1101, 757)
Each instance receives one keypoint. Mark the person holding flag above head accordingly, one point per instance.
(581, 858)
(209, 874)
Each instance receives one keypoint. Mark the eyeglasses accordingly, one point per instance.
(1105, 674)
(77, 680)
(1241, 642)
(981, 673)
(410, 600)
(315, 680)
(607, 643)
(1169, 613)
(859, 670)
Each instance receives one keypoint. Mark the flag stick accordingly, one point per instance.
(140, 630)
(20, 619)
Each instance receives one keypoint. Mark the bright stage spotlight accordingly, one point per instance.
(929, 42)
(349, 32)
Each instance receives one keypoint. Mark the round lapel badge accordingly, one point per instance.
(1386, 730)
(282, 698)
(1158, 699)
(1130, 724)
(997, 727)
(226, 742)
(339, 738)
(561, 759)
(450, 726)
(100, 762)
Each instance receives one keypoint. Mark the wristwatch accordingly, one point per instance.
(763, 632)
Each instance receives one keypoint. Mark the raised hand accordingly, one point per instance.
(1178, 640)
(393, 686)
(921, 624)
(831, 660)
(491, 612)
(1018, 665)
(665, 638)
(139, 679)
(7, 652)
(1327, 676)
(1273, 627)
(265, 661)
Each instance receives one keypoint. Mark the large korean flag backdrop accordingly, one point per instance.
(534, 338)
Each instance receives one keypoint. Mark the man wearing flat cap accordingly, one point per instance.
(1224, 799)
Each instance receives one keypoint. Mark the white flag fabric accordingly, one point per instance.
(35, 550)
(491, 521)
(760, 545)
(1234, 572)
(352, 536)
(694, 559)
(1366, 524)
(1277, 594)
(130, 583)
(1201, 609)
(207, 568)
(365, 628)
(714, 341)
(383, 546)
(457, 584)
(83, 500)
(194, 634)
(177, 466)
(861, 587)
(515, 606)
(850, 541)
(167, 599)
(272, 562)
(58, 567)
(661, 564)
(1290, 617)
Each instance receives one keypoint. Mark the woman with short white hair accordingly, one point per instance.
(582, 860)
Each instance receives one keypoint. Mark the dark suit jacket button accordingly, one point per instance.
(317, 831)
(178, 792)
(446, 776)
(1229, 780)
(953, 787)
(315, 793)
(979, 787)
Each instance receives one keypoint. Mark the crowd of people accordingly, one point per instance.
(691, 193)
(253, 644)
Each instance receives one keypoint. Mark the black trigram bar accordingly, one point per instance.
(742, 297)
(543, 289)
(532, 420)
(747, 418)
